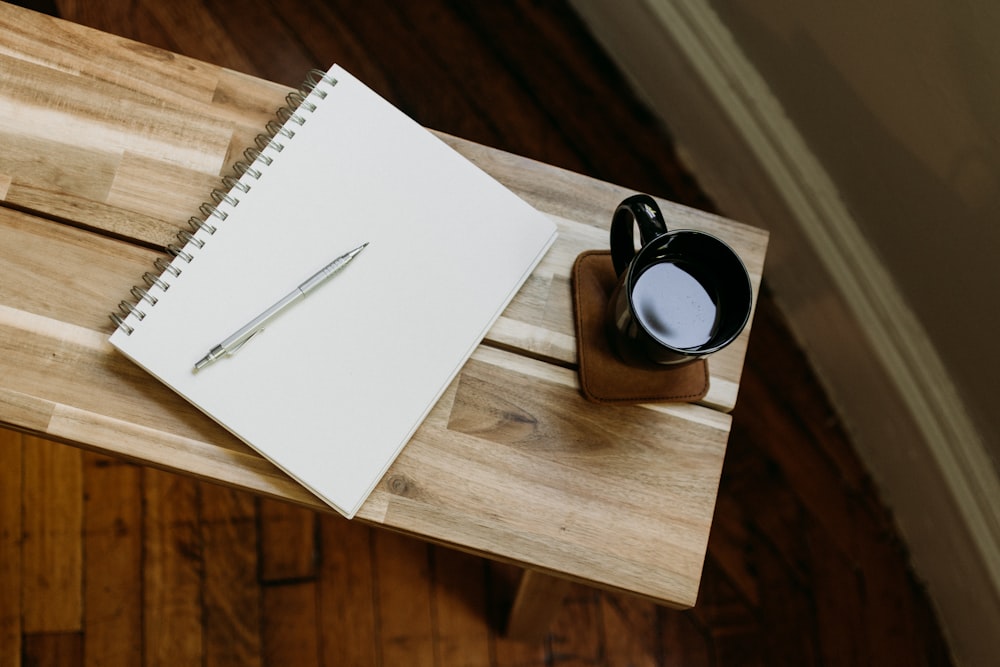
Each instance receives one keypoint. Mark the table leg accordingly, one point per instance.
(539, 598)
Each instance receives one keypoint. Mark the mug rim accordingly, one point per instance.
(655, 246)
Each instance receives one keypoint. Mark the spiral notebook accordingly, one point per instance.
(333, 388)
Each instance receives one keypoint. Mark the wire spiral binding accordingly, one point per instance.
(228, 197)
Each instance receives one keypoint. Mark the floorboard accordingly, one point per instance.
(102, 562)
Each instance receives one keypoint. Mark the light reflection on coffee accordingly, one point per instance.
(674, 307)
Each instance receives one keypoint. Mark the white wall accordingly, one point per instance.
(900, 102)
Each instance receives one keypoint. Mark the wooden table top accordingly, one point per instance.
(109, 146)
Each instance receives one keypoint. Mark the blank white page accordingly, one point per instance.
(334, 387)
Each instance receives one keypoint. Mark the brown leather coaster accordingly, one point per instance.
(604, 377)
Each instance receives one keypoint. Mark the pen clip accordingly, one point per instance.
(240, 346)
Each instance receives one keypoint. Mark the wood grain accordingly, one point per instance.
(290, 534)
(347, 607)
(165, 143)
(773, 560)
(112, 547)
(231, 600)
(528, 442)
(11, 483)
(52, 558)
(288, 624)
(539, 598)
(460, 598)
(172, 568)
(50, 649)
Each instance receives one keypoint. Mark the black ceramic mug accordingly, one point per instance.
(682, 296)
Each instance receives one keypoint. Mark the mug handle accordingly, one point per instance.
(639, 209)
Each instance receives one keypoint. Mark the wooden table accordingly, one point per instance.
(108, 146)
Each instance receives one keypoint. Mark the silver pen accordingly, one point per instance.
(255, 326)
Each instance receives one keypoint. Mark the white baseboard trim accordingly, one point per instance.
(879, 367)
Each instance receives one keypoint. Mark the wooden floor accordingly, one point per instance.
(105, 563)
